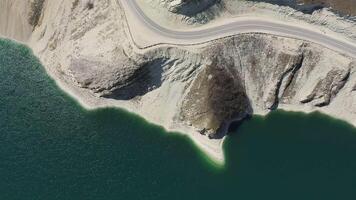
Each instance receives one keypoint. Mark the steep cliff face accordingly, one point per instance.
(273, 72)
(198, 90)
(216, 96)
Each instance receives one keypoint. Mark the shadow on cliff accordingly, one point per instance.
(304, 8)
(233, 125)
(192, 8)
(226, 95)
(146, 78)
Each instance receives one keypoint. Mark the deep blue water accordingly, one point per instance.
(51, 148)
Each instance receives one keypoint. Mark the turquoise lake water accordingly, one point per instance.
(51, 148)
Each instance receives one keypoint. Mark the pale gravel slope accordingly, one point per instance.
(13, 19)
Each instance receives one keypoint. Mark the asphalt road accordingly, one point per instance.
(241, 26)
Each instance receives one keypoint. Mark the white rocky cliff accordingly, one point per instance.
(197, 89)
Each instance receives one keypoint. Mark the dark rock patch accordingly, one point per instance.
(216, 98)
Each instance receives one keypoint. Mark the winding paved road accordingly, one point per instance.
(241, 26)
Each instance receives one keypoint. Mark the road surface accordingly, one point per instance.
(240, 26)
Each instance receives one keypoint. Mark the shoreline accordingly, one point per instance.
(88, 101)
(213, 149)
(79, 95)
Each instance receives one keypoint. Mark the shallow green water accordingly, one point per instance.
(50, 148)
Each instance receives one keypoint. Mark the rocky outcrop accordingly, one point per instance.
(189, 7)
(327, 88)
(216, 97)
(183, 11)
